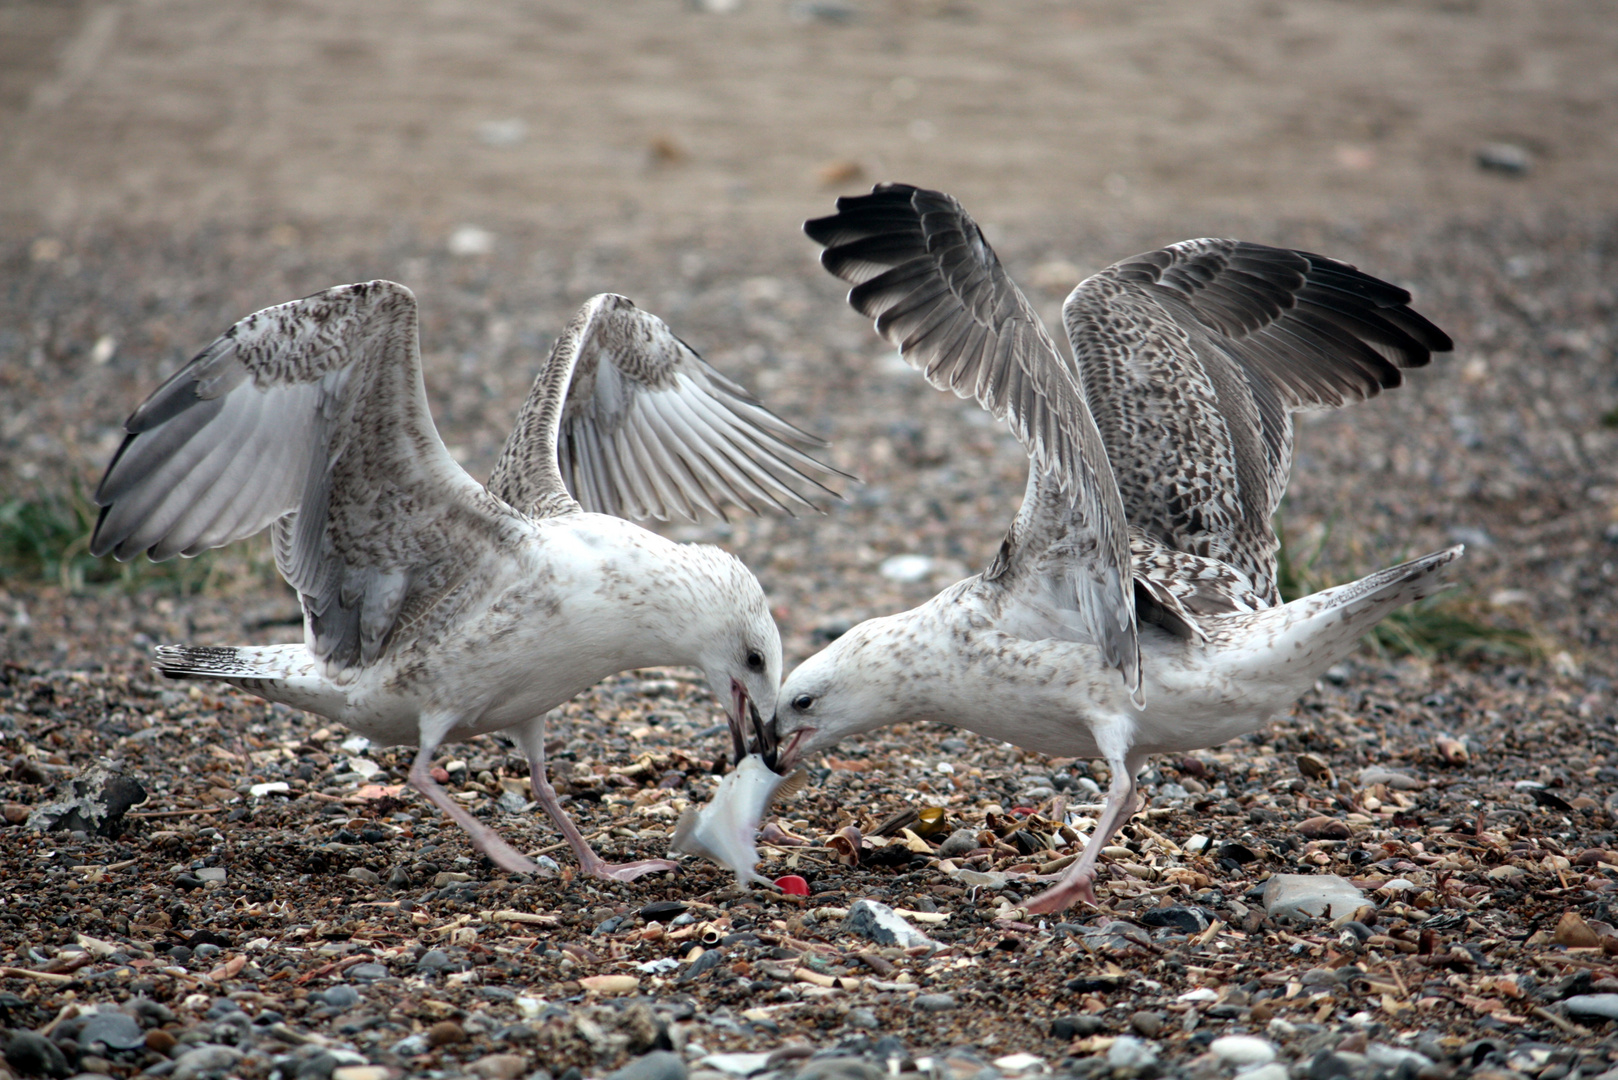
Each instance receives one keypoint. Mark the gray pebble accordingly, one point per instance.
(35, 1055)
(205, 1062)
(881, 924)
(1129, 1056)
(410, 1046)
(840, 1068)
(958, 842)
(1602, 1005)
(206, 951)
(933, 1002)
(657, 1065)
(211, 873)
(1507, 158)
(342, 996)
(1147, 1023)
(861, 1018)
(703, 964)
(364, 876)
(366, 973)
(114, 1030)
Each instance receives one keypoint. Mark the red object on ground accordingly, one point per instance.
(793, 885)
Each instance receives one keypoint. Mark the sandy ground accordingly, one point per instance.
(168, 166)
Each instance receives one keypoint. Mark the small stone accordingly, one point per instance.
(657, 1065)
(1314, 767)
(444, 1033)
(159, 1041)
(499, 1066)
(1575, 933)
(342, 996)
(1507, 158)
(933, 1002)
(1240, 1050)
(362, 1072)
(410, 1046)
(1187, 920)
(1299, 896)
(1066, 1028)
(35, 1055)
(610, 984)
(1604, 1006)
(1372, 774)
(364, 876)
(15, 813)
(367, 973)
(1147, 1023)
(861, 1018)
(881, 924)
(1019, 1063)
(1273, 1071)
(114, 1030)
(205, 1062)
(662, 910)
(1324, 828)
(1129, 1056)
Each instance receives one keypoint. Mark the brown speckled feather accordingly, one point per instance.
(1193, 359)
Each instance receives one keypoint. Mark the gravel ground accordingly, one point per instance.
(277, 904)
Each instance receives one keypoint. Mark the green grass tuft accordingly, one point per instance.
(45, 539)
(1452, 625)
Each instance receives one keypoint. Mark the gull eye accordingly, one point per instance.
(755, 660)
(802, 702)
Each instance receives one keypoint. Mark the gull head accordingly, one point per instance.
(848, 687)
(739, 650)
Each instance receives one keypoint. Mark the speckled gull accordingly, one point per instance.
(1132, 608)
(436, 609)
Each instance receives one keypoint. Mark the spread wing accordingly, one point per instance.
(311, 416)
(922, 269)
(1193, 359)
(631, 421)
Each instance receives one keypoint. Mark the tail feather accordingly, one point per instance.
(284, 673)
(1310, 634)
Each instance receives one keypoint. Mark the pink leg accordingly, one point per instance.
(484, 838)
(1079, 881)
(531, 737)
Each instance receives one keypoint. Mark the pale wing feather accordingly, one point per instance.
(629, 420)
(311, 416)
(1193, 358)
(921, 268)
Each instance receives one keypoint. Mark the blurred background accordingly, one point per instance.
(168, 166)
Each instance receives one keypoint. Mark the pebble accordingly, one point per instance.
(933, 1002)
(1065, 1028)
(362, 1072)
(369, 972)
(1399, 781)
(1242, 1050)
(445, 1032)
(159, 1041)
(205, 1062)
(881, 924)
(958, 843)
(1602, 1005)
(1299, 896)
(1147, 1023)
(211, 873)
(341, 996)
(1185, 919)
(1507, 158)
(839, 1068)
(114, 1030)
(610, 984)
(1129, 1056)
(364, 876)
(499, 1066)
(1273, 1071)
(35, 1055)
(657, 1065)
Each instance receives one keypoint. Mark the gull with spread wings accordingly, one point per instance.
(1133, 606)
(434, 608)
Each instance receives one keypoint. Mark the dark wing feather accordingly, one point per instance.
(1195, 356)
(920, 267)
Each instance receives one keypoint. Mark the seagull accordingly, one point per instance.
(1132, 608)
(436, 609)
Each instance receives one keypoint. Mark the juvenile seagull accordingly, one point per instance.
(1144, 546)
(435, 610)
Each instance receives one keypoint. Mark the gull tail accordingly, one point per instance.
(284, 673)
(1294, 644)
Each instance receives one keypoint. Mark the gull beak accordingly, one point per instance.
(740, 704)
(785, 758)
(767, 744)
